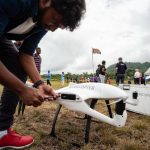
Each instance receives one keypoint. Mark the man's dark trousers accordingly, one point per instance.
(9, 99)
(120, 79)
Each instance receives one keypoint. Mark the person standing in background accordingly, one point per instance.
(49, 78)
(143, 79)
(38, 59)
(102, 72)
(137, 77)
(63, 78)
(98, 73)
(120, 71)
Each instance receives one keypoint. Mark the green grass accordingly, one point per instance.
(1, 88)
(139, 125)
(37, 122)
(132, 145)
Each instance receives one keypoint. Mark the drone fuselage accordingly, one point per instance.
(75, 97)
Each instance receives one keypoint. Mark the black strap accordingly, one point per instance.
(37, 83)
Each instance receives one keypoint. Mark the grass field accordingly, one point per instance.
(1, 88)
(37, 122)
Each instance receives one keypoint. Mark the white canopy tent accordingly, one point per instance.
(147, 73)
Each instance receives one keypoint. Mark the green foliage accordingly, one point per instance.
(131, 68)
(54, 77)
(110, 71)
(70, 76)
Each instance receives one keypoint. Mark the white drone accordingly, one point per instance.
(76, 97)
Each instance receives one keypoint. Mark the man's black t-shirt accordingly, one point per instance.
(102, 70)
(98, 71)
(121, 68)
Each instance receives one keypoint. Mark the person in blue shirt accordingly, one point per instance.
(62, 78)
(49, 78)
(27, 21)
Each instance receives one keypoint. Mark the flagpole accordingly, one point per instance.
(94, 51)
(92, 63)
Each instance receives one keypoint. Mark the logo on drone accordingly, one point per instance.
(83, 87)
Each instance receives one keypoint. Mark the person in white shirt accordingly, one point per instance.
(137, 76)
(63, 79)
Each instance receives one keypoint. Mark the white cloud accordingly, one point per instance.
(117, 27)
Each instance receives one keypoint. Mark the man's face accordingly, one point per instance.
(38, 51)
(50, 18)
(103, 63)
(120, 60)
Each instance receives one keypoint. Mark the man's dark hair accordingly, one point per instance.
(103, 62)
(120, 58)
(71, 11)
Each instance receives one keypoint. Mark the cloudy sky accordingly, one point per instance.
(116, 27)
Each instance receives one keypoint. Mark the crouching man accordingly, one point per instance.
(27, 20)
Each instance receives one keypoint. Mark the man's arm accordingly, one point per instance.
(26, 54)
(28, 95)
(27, 62)
(9, 80)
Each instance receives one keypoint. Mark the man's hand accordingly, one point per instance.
(32, 97)
(47, 91)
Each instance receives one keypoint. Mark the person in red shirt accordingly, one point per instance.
(38, 59)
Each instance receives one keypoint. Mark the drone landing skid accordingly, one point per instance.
(87, 117)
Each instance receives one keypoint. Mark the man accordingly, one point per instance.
(98, 73)
(38, 59)
(102, 72)
(49, 78)
(120, 71)
(27, 20)
(62, 78)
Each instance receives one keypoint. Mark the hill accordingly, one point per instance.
(131, 67)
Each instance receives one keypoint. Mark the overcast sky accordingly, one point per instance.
(116, 27)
